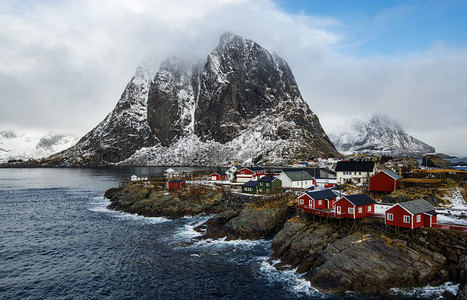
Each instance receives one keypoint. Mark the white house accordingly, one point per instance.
(355, 171)
(232, 171)
(297, 180)
(138, 178)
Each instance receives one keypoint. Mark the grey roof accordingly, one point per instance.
(360, 199)
(416, 207)
(392, 174)
(323, 194)
(299, 175)
(251, 183)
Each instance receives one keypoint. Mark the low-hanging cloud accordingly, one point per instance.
(64, 64)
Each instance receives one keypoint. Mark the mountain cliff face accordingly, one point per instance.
(120, 134)
(377, 135)
(242, 104)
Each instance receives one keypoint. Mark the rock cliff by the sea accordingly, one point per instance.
(335, 257)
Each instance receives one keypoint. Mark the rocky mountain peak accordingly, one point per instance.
(241, 103)
(377, 134)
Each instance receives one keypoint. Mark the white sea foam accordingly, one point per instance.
(428, 291)
(291, 278)
(188, 230)
(99, 205)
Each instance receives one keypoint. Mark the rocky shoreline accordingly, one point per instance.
(362, 256)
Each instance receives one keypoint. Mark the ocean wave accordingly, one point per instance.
(430, 292)
(99, 205)
(292, 280)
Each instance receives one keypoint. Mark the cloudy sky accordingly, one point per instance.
(64, 64)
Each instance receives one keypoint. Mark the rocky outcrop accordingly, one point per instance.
(434, 161)
(159, 202)
(367, 261)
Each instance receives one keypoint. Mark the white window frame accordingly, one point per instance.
(320, 202)
(302, 201)
(360, 210)
(310, 203)
(369, 208)
(406, 219)
(350, 210)
(390, 217)
(338, 210)
(419, 218)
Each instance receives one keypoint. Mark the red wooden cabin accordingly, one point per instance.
(217, 176)
(355, 206)
(411, 214)
(251, 173)
(317, 199)
(385, 181)
(176, 184)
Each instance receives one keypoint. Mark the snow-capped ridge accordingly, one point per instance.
(377, 134)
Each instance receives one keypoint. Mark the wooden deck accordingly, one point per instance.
(332, 214)
(322, 213)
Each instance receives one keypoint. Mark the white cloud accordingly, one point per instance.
(64, 64)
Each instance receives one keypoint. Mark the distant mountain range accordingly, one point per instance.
(240, 104)
(377, 134)
(24, 145)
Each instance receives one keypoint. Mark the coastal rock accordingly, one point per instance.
(254, 223)
(334, 262)
(137, 199)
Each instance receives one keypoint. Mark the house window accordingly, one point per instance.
(338, 208)
(419, 218)
(390, 217)
(369, 208)
(302, 201)
(360, 210)
(320, 202)
(406, 219)
(310, 203)
(350, 210)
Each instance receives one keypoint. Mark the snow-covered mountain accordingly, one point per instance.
(242, 103)
(377, 134)
(25, 145)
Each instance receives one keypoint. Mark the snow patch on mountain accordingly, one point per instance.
(25, 145)
(376, 134)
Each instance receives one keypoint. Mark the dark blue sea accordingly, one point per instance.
(58, 241)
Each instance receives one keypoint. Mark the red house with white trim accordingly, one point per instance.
(411, 214)
(355, 206)
(217, 176)
(317, 199)
(251, 173)
(176, 184)
(385, 181)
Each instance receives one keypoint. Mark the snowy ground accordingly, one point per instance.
(453, 214)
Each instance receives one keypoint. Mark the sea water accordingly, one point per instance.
(59, 241)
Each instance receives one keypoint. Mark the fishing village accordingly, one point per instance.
(396, 223)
